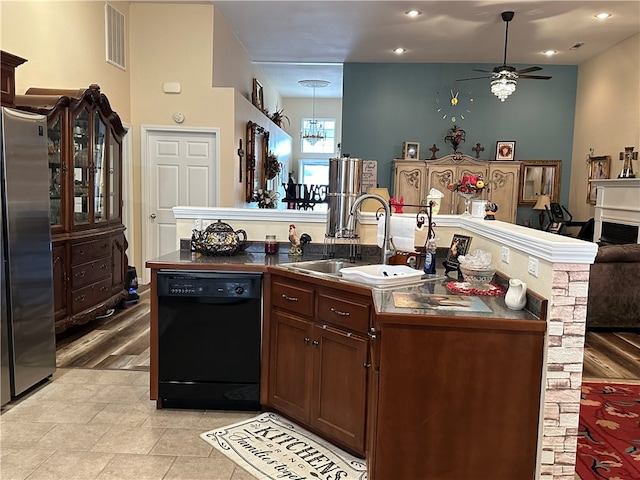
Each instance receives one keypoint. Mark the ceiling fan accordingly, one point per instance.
(504, 77)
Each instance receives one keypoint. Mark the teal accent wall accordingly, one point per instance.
(384, 105)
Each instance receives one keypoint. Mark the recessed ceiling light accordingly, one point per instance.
(399, 50)
(549, 53)
(602, 15)
(413, 13)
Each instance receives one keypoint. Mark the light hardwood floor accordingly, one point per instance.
(117, 342)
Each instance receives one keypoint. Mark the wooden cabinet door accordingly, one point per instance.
(409, 183)
(339, 389)
(290, 365)
(504, 189)
(60, 276)
(439, 177)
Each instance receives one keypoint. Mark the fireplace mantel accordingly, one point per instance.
(617, 202)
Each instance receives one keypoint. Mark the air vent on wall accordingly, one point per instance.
(576, 46)
(114, 36)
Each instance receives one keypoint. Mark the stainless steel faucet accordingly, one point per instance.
(387, 246)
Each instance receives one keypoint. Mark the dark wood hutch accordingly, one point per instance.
(85, 174)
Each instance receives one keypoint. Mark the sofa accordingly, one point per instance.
(614, 288)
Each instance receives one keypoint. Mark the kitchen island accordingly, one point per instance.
(423, 392)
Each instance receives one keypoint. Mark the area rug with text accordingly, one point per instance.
(271, 447)
(609, 431)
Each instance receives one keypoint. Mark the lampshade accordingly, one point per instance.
(543, 203)
(370, 205)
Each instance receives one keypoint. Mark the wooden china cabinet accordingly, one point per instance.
(85, 175)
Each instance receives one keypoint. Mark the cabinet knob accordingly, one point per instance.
(315, 343)
(306, 340)
(153, 216)
(367, 365)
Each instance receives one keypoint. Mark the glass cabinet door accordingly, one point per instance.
(114, 178)
(99, 168)
(81, 168)
(56, 173)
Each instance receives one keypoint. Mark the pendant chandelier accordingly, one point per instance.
(315, 132)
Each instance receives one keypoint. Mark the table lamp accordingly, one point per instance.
(542, 205)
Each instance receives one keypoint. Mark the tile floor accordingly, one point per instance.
(100, 424)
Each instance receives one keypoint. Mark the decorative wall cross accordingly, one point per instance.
(433, 149)
(478, 148)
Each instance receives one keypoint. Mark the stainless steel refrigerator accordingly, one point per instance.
(28, 349)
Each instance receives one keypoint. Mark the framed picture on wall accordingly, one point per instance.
(411, 150)
(505, 150)
(257, 97)
(599, 168)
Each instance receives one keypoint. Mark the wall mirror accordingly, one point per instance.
(257, 149)
(539, 177)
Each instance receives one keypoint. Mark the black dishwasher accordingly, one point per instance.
(209, 335)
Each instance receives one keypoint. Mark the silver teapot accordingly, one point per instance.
(218, 239)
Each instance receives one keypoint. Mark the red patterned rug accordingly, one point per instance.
(609, 432)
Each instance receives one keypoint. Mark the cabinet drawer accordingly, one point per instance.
(90, 272)
(352, 315)
(294, 298)
(87, 297)
(83, 252)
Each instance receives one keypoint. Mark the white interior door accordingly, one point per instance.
(182, 171)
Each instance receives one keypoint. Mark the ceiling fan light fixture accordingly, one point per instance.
(399, 50)
(504, 84)
(602, 15)
(413, 13)
(550, 53)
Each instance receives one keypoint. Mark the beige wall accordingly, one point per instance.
(607, 116)
(63, 43)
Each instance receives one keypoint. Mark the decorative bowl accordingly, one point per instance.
(478, 278)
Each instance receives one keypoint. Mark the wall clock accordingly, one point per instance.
(453, 105)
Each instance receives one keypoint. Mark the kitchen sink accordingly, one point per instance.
(376, 275)
(327, 267)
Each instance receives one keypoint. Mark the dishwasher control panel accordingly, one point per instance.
(206, 284)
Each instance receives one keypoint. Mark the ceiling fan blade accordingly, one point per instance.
(479, 70)
(537, 77)
(472, 78)
(529, 69)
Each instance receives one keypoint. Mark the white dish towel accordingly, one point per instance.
(403, 233)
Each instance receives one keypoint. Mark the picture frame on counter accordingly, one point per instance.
(411, 150)
(505, 150)
(459, 246)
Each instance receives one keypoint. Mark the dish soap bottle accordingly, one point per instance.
(430, 257)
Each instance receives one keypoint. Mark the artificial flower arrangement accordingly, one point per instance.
(265, 198)
(455, 137)
(468, 184)
(272, 167)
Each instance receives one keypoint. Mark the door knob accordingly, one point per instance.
(153, 216)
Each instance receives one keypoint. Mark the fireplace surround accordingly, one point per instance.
(617, 211)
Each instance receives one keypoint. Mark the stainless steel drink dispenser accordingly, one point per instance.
(345, 185)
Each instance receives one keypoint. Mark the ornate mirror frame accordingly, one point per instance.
(257, 150)
(539, 177)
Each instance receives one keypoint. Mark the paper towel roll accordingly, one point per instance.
(403, 232)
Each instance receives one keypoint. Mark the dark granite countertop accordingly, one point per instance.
(421, 299)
